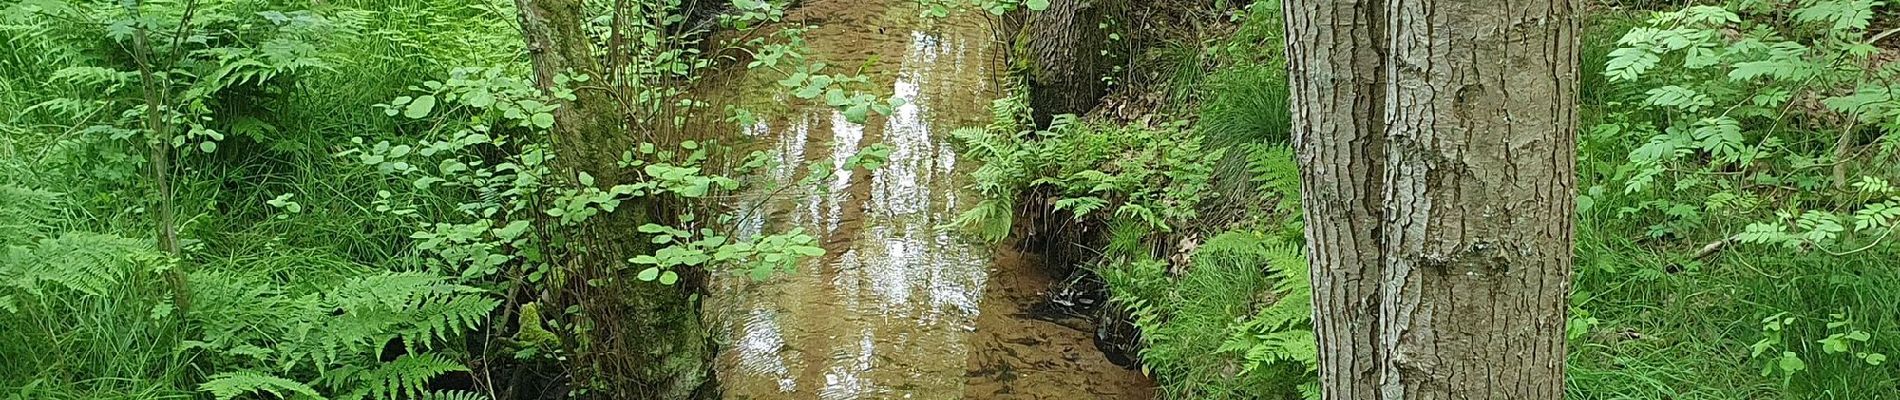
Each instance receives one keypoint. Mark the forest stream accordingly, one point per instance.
(898, 308)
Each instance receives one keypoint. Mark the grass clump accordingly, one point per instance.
(1246, 105)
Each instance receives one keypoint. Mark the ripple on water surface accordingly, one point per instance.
(897, 308)
(888, 311)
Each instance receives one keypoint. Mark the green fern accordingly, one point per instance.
(452, 395)
(334, 333)
(1280, 333)
(107, 79)
(25, 214)
(83, 262)
(417, 307)
(1839, 15)
(407, 376)
(990, 220)
(1236, 325)
(231, 385)
(1081, 206)
(1275, 168)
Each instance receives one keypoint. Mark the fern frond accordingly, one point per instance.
(106, 79)
(230, 385)
(1275, 168)
(417, 307)
(1310, 391)
(337, 326)
(88, 263)
(1839, 15)
(1277, 333)
(990, 220)
(25, 214)
(452, 395)
(1081, 206)
(439, 317)
(408, 376)
(1287, 264)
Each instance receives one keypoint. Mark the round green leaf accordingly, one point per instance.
(1790, 363)
(421, 107)
(480, 99)
(857, 113)
(542, 120)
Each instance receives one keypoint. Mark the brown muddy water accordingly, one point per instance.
(897, 308)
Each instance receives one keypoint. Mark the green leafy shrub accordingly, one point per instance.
(327, 207)
(1759, 118)
(1719, 209)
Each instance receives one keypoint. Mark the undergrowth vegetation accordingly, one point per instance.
(1734, 232)
(1193, 224)
(1233, 323)
(367, 199)
(1737, 159)
(356, 199)
(247, 289)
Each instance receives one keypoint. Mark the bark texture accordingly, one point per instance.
(1067, 52)
(1437, 141)
(645, 340)
(1336, 82)
(1480, 198)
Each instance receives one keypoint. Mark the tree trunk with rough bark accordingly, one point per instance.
(644, 339)
(1438, 146)
(1336, 85)
(1067, 51)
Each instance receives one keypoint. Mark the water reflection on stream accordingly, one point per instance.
(892, 310)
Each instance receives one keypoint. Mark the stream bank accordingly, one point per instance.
(897, 308)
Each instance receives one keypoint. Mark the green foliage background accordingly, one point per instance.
(1718, 258)
(1733, 233)
(282, 88)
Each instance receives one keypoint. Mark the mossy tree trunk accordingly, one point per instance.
(642, 340)
(1439, 152)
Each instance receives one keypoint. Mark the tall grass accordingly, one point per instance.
(1670, 325)
(1247, 105)
(1243, 106)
